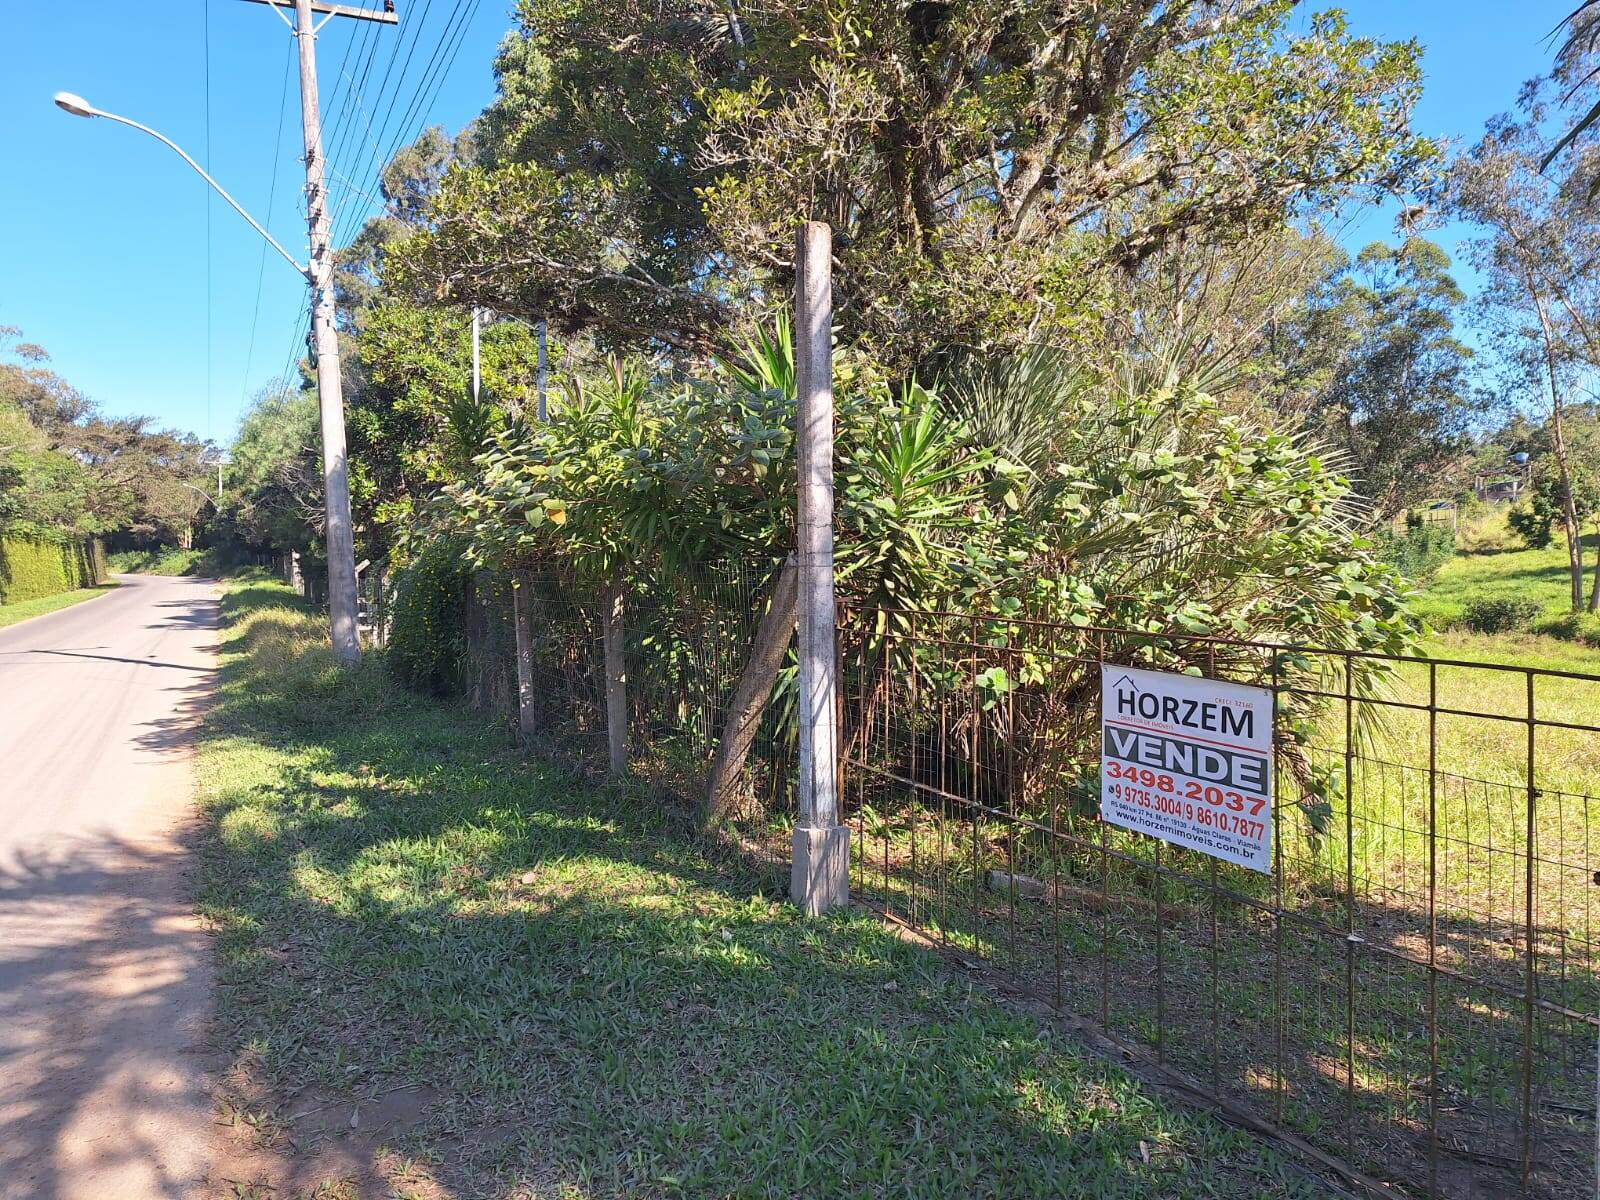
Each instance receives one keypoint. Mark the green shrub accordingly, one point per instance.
(1420, 551)
(35, 567)
(1499, 614)
(427, 642)
(1583, 628)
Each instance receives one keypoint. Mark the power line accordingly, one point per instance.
(272, 196)
(431, 82)
(366, 164)
(205, 20)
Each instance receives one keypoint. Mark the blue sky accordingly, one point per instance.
(104, 233)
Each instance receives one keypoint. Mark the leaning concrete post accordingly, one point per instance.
(820, 877)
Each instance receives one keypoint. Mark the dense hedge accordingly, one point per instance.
(34, 567)
(427, 643)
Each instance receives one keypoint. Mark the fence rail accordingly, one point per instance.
(1410, 992)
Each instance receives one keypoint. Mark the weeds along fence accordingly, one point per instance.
(374, 591)
(1409, 994)
(686, 636)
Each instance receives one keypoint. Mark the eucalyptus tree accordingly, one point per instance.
(1539, 259)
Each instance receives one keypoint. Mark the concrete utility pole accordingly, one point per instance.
(330, 390)
(820, 876)
(544, 375)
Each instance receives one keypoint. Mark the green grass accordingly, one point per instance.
(1503, 568)
(163, 560)
(11, 614)
(592, 1003)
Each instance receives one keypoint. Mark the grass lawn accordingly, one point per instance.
(10, 614)
(586, 1002)
(1503, 569)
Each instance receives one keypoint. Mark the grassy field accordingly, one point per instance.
(583, 1001)
(1494, 565)
(10, 614)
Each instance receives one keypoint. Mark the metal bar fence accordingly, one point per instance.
(1410, 995)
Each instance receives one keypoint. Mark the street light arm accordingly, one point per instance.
(215, 186)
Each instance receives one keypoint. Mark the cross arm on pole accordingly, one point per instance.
(383, 16)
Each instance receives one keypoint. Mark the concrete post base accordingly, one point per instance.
(820, 877)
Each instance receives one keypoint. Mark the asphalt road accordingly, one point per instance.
(104, 980)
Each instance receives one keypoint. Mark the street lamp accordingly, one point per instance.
(79, 107)
(342, 601)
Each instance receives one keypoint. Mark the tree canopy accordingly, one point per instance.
(989, 166)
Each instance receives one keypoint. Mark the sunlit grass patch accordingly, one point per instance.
(598, 1004)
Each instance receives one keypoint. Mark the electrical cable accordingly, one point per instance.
(272, 196)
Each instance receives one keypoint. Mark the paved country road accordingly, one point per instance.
(103, 970)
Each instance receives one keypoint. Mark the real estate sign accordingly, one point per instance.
(1188, 760)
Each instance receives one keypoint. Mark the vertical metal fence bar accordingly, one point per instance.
(1433, 930)
(1009, 733)
(1528, 947)
(1279, 1075)
(1216, 948)
(974, 795)
(1055, 845)
(1161, 974)
(1105, 873)
(1349, 907)
(916, 757)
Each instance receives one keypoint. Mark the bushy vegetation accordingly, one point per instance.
(32, 567)
(402, 901)
(162, 560)
(1419, 550)
(427, 641)
(68, 472)
(1499, 614)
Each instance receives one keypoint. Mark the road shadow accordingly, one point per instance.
(103, 986)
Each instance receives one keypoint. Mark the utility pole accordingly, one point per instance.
(342, 603)
(544, 375)
(820, 872)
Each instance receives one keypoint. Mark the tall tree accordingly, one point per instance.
(989, 166)
(1539, 257)
(1398, 398)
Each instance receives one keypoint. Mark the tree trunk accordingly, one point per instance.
(751, 693)
(1569, 510)
(616, 680)
(1594, 592)
(521, 619)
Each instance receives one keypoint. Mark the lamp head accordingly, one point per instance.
(76, 105)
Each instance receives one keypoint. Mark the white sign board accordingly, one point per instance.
(1188, 760)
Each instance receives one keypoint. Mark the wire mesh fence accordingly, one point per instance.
(1409, 993)
(686, 638)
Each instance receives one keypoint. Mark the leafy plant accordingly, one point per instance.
(427, 640)
(1499, 614)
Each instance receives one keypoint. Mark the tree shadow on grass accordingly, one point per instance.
(592, 1001)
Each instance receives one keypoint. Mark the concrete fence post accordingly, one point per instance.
(522, 623)
(820, 875)
(612, 635)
